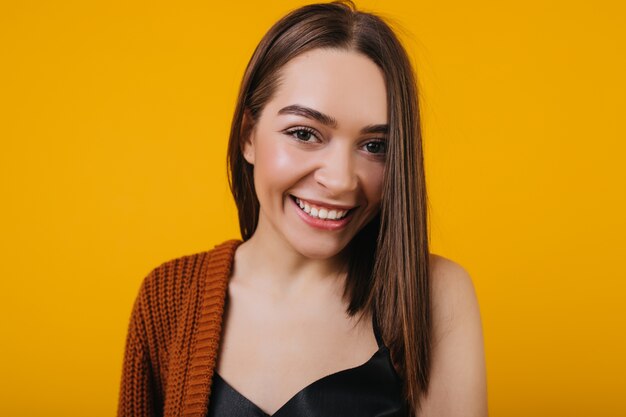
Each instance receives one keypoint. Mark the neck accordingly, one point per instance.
(268, 259)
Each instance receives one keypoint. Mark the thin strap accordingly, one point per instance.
(379, 338)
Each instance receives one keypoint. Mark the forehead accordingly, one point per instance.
(346, 85)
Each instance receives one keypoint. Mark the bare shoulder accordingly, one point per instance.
(446, 272)
(458, 376)
(452, 288)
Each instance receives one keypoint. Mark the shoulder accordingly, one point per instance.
(447, 273)
(167, 286)
(454, 303)
(451, 284)
(180, 271)
(176, 271)
(458, 376)
(164, 290)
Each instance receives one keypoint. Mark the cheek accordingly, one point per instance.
(278, 165)
(372, 182)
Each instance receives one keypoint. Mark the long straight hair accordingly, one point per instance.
(388, 268)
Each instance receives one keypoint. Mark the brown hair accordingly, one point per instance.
(388, 266)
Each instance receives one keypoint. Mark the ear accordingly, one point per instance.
(247, 135)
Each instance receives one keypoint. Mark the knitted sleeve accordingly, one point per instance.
(137, 396)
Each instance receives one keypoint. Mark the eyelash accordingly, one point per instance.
(293, 131)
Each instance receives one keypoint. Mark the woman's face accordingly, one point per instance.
(320, 143)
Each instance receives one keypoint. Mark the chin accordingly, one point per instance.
(321, 250)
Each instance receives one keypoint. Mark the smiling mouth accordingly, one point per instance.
(320, 212)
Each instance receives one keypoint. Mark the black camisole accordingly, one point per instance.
(372, 389)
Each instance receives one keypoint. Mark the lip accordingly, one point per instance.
(325, 205)
(319, 223)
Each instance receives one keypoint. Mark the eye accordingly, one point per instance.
(303, 134)
(377, 147)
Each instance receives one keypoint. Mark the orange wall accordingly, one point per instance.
(114, 118)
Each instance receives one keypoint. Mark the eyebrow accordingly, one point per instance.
(327, 120)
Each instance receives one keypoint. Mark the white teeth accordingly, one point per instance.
(321, 213)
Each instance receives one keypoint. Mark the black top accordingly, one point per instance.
(372, 389)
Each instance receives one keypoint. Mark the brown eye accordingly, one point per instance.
(302, 134)
(377, 147)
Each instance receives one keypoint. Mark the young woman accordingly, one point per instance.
(332, 305)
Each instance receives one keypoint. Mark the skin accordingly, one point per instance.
(458, 385)
(285, 325)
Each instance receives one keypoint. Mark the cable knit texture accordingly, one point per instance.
(173, 336)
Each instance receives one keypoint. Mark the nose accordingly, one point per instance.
(337, 172)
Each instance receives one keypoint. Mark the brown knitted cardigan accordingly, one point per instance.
(174, 334)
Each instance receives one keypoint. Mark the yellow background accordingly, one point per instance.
(114, 118)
